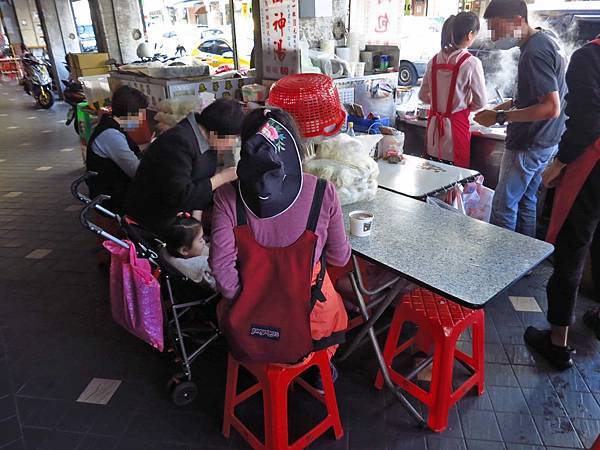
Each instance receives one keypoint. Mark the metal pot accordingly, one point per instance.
(423, 112)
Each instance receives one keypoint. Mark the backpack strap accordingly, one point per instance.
(313, 220)
(335, 338)
(240, 208)
(315, 209)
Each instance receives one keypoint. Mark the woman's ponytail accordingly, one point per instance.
(457, 28)
(447, 34)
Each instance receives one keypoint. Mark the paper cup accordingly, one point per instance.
(327, 46)
(367, 58)
(361, 223)
(360, 69)
(352, 69)
(344, 53)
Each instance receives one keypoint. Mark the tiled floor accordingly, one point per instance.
(56, 335)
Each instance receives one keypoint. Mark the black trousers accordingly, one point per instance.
(580, 232)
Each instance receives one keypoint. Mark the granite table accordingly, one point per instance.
(462, 259)
(419, 178)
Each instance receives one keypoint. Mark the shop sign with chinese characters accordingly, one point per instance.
(377, 19)
(280, 28)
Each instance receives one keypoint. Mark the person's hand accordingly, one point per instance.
(223, 177)
(553, 174)
(144, 147)
(229, 174)
(504, 105)
(485, 118)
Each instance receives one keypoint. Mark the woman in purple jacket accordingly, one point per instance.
(277, 199)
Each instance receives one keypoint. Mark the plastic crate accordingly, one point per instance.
(369, 126)
(346, 95)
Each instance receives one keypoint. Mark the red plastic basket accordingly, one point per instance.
(312, 100)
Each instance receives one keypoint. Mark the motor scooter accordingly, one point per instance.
(73, 94)
(37, 81)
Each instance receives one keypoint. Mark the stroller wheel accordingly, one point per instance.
(184, 392)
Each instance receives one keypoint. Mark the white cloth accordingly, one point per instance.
(196, 269)
(470, 94)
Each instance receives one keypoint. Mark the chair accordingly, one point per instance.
(441, 322)
(274, 381)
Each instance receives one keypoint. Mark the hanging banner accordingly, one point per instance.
(280, 29)
(378, 20)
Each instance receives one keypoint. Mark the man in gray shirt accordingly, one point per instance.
(535, 118)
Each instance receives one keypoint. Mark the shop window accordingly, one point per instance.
(205, 28)
(85, 29)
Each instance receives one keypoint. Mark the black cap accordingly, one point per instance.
(270, 170)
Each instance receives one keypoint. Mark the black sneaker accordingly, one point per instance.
(591, 319)
(540, 341)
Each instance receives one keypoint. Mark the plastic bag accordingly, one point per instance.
(135, 295)
(477, 200)
(391, 143)
(454, 197)
(350, 150)
(172, 110)
(345, 161)
(441, 204)
(473, 200)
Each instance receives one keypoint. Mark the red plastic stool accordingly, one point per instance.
(274, 380)
(443, 322)
(596, 445)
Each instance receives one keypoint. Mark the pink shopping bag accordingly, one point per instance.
(135, 295)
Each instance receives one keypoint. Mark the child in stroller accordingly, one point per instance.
(186, 249)
(188, 307)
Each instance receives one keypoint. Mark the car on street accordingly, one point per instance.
(420, 39)
(218, 52)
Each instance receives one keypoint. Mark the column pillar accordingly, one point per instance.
(118, 27)
(11, 25)
(61, 35)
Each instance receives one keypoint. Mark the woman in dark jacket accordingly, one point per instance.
(111, 152)
(178, 171)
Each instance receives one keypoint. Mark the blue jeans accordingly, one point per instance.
(515, 201)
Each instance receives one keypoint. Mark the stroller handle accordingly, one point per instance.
(77, 182)
(84, 199)
(87, 223)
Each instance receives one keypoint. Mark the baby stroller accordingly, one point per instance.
(186, 341)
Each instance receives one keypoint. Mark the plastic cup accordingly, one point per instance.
(360, 69)
(361, 223)
(352, 69)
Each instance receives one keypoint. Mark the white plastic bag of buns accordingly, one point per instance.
(172, 110)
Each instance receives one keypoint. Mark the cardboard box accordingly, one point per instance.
(89, 60)
(91, 72)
